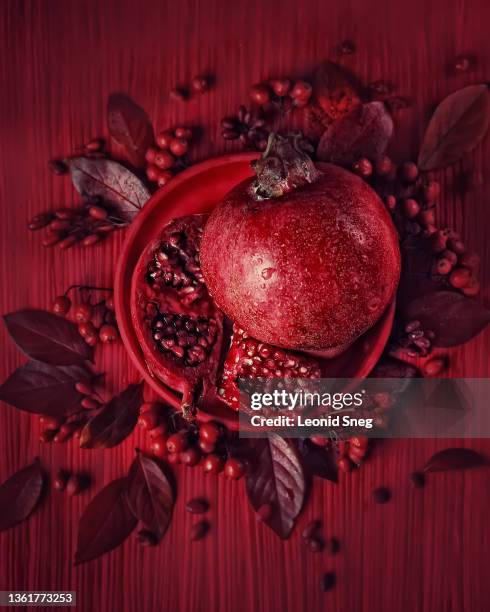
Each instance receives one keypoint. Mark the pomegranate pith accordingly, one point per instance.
(301, 258)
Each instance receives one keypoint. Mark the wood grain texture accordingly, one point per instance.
(59, 60)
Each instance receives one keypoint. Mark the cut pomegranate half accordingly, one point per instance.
(179, 328)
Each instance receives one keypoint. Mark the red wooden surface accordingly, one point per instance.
(426, 550)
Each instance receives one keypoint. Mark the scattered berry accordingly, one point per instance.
(61, 305)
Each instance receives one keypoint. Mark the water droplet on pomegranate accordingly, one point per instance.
(267, 273)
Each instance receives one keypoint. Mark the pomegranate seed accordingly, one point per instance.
(91, 239)
(89, 403)
(97, 212)
(197, 506)
(68, 242)
(51, 240)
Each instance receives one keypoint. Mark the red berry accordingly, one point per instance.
(426, 218)
(472, 288)
(150, 155)
(206, 447)
(302, 91)
(74, 485)
(164, 177)
(86, 329)
(190, 457)
(179, 146)
(451, 256)
(234, 468)
(344, 464)
(159, 446)
(160, 430)
(177, 442)
(410, 208)
(212, 464)
(383, 166)
(199, 84)
(150, 415)
(442, 266)
(97, 212)
(409, 172)
(83, 313)
(438, 241)
(164, 160)
(260, 94)
(456, 245)
(152, 173)
(108, 333)
(91, 339)
(163, 140)
(183, 132)
(173, 458)
(470, 260)
(390, 202)
(430, 191)
(109, 303)
(209, 432)
(61, 305)
(459, 277)
(281, 87)
(363, 167)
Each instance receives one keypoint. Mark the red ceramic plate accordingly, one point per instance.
(198, 190)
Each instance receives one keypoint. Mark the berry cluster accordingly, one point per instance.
(96, 321)
(168, 156)
(189, 445)
(73, 484)
(282, 92)
(412, 199)
(86, 225)
(199, 84)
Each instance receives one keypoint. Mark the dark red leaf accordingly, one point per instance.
(130, 127)
(277, 483)
(150, 495)
(115, 421)
(40, 388)
(19, 495)
(106, 522)
(454, 459)
(319, 461)
(456, 127)
(452, 317)
(365, 132)
(110, 181)
(47, 337)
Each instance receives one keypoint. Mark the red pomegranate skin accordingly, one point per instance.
(310, 270)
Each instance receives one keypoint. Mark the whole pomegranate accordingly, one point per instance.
(301, 257)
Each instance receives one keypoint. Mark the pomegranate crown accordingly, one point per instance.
(283, 167)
